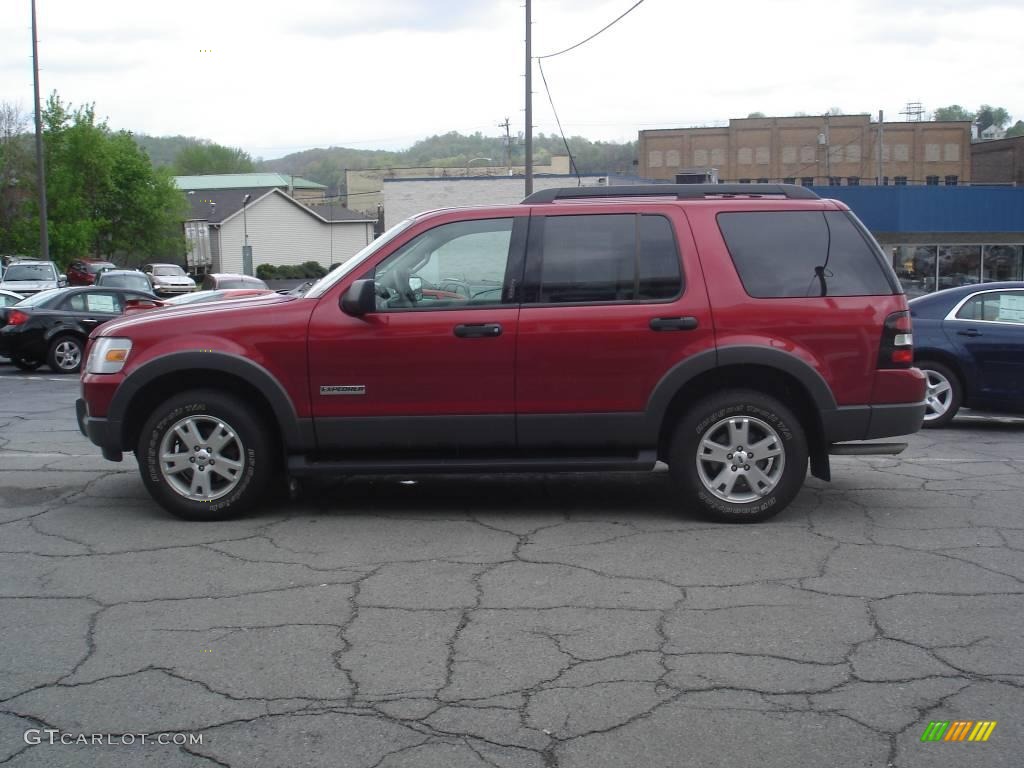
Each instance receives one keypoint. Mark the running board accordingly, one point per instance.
(641, 462)
(866, 449)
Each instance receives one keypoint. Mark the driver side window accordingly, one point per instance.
(454, 266)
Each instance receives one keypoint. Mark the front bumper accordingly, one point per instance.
(102, 432)
(167, 290)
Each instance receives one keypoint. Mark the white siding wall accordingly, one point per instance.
(403, 198)
(281, 233)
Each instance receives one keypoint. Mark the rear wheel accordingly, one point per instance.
(204, 456)
(943, 396)
(26, 363)
(739, 456)
(65, 354)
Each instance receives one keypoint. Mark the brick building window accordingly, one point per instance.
(762, 180)
(807, 181)
(853, 181)
(951, 181)
(789, 180)
(932, 181)
(900, 181)
(744, 181)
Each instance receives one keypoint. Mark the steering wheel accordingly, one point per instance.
(397, 283)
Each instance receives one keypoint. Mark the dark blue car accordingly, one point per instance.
(969, 341)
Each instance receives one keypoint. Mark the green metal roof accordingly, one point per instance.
(245, 181)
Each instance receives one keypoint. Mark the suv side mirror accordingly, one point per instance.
(360, 299)
(62, 281)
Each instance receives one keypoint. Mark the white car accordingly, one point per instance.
(9, 298)
(28, 277)
(168, 279)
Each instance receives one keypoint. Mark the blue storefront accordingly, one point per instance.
(940, 237)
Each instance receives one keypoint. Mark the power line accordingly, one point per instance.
(602, 29)
(572, 162)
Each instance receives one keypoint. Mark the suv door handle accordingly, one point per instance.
(477, 330)
(673, 323)
(969, 332)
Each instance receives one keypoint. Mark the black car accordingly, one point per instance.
(52, 326)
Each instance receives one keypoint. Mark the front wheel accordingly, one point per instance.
(204, 456)
(739, 456)
(65, 354)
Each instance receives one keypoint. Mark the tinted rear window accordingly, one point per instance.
(608, 258)
(789, 254)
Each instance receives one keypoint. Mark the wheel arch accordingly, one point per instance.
(770, 372)
(165, 376)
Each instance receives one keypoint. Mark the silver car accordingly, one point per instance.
(28, 277)
(168, 279)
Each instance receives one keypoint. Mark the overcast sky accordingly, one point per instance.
(278, 77)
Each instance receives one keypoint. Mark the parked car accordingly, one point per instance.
(52, 326)
(199, 297)
(169, 279)
(734, 332)
(216, 280)
(28, 277)
(9, 298)
(124, 278)
(84, 271)
(969, 341)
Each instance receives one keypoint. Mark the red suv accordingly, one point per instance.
(735, 332)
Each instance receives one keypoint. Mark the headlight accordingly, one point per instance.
(108, 355)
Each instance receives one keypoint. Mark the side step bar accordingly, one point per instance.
(866, 449)
(303, 465)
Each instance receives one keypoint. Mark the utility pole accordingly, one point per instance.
(508, 144)
(528, 149)
(881, 147)
(44, 238)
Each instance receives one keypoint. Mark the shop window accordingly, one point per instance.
(959, 265)
(1002, 262)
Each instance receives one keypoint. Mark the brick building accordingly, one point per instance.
(998, 162)
(826, 149)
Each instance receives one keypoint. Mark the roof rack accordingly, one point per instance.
(678, 191)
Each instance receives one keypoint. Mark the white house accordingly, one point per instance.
(280, 229)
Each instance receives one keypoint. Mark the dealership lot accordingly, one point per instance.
(508, 621)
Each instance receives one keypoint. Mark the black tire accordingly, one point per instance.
(249, 446)
(65, 354)
(26, 363)
(937, 374)
(753, 499)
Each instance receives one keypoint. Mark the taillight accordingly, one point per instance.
(16, 317)
(897, 347)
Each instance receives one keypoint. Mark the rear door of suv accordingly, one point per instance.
(613, 298)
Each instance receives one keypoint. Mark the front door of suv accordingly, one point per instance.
(611, 302)
(433, 367)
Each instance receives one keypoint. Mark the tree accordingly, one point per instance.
(756, 114)
(988, 115)
(196, 159)
(17, 182)
(1016, 130)
(952, 112)
(103, 196)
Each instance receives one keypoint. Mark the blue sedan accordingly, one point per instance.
(969, 341)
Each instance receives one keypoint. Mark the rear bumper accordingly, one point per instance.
(102, 432)
(867, 422)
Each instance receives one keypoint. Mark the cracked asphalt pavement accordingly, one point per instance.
(510, 622)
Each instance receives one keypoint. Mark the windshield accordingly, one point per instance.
(169, 271)
(324, 283)
(92, 269)
(30, 272)
(125, 281)
(41, 298)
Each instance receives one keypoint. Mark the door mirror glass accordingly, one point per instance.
(416, 286)
(360, 299)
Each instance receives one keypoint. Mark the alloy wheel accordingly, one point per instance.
(201, 458)
(740, 459)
